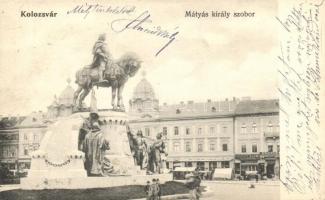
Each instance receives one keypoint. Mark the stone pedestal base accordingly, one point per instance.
(90, 182)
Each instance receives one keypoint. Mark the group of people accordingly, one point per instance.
(153, 190)
(148, 156)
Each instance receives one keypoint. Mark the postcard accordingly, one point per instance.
(162, 99)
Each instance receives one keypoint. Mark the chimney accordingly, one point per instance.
(190, 102)
(226, 99)
(209, 101)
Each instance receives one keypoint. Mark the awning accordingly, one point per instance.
(246, 164)
(251, 172)
(222, 173)
(184, 169)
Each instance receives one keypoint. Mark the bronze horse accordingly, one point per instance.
(126, 66)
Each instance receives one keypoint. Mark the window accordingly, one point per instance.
(165, 131)
(200, 165)
(278, 148)
(243, 148)
(176, 147)
(25, 137)
(199, 131)
(269, 127)
(35, 137)
(243, 128)
(212, 146)
(270, 148)
(212, 130)
(213, 109)
(176, 130)
(25, 151)
(225, 147)
(277, 128)
(224, 164)
(200, 147)
(147, 131)
(224, 129)
(254, 148)
(254, 129)
(188, 147)
(188, 164)
(178, 111)
(188, 131)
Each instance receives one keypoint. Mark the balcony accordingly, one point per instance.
(271, 135)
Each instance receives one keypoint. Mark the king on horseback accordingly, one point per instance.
(102, 58)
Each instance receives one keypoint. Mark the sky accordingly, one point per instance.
(210, 58)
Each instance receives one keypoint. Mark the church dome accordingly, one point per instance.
(144, 90)
(66, 96)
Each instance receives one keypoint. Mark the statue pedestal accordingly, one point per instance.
(115, 131)
(58, 160)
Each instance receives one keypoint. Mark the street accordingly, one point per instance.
(241, 191)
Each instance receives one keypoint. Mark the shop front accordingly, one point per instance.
(272, 164)
(248, 165)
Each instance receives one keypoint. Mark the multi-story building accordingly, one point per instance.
(19, 136)
(9, 142)
(239, 134)
(257, 137)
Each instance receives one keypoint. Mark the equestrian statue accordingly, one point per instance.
(105, 72)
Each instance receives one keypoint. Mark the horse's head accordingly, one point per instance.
(130, 63)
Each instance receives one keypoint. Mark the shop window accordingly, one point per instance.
(243, 148)
(200, 165)
(225, 164)
(270, 148)
(225, 147)
(188, 164)
(176, 130)
(254, 148)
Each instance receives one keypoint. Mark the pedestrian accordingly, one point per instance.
(154, 189)
(146, 189)
(159, 188)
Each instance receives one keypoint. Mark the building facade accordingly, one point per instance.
(20, 136)
(238, 134)
(257, 144)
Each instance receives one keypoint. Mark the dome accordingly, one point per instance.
(144, 90)
(66, 96)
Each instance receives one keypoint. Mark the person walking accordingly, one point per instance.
(146, 190)
(159, 188)
(155, 189)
